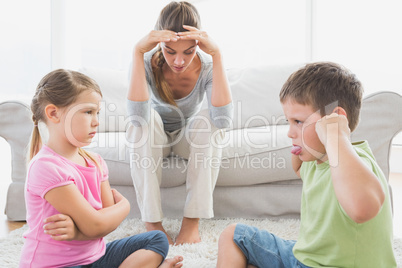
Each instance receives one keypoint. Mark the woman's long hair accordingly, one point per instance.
(172, 17)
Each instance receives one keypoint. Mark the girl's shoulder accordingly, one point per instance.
(100, 162)
(46, 157)
(48, 170)
(96, 156)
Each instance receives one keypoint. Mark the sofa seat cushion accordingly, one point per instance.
(255, 140)
(263, 152)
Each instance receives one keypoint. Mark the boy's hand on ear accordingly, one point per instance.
(332, 128)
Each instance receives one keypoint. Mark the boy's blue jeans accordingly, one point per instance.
(263, 249)
(117, 251)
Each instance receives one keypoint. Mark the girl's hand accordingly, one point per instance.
(150, 41)
(61, 227)
(205, 42)
(117, 196)
(332, 127)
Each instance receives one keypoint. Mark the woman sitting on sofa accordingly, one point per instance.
(171, 72)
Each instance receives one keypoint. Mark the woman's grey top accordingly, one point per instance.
(176, 117)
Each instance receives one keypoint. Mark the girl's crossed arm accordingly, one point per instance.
(91, 223)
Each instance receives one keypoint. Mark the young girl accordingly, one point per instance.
(70, 205)
(173, 68)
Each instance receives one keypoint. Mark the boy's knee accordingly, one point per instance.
(228, 233)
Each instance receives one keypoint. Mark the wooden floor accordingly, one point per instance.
(7, 226)
(395, 180)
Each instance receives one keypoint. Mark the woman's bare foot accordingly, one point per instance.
(172, 263)
(189, 233)
(152, 226)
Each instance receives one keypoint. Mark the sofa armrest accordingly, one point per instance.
(380, 121)
(16, 127)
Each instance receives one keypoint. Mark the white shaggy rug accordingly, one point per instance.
(202, 255)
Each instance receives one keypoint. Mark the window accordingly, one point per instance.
(256, 32)
(365, 37)
(107, 31)
(43, 35)
(25, 47)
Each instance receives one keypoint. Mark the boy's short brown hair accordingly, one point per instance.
(324, 86)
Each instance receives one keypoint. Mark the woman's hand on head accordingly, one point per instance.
(205, 43)
(150, 41)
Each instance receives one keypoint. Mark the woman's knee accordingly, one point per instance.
(217, 122)
(202, 120)
(202, 129)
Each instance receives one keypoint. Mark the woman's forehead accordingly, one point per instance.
(180, 45)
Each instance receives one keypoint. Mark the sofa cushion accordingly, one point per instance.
(255, 140)
(261, 151)
(255, 94)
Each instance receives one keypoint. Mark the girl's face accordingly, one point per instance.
(179, 55)
(302, 120)
(81, 118)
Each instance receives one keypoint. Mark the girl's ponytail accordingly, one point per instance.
(85, 154)
(36, 140)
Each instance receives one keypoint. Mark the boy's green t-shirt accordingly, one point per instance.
(328, 237)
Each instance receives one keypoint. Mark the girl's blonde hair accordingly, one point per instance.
(60, 87)
(172, 17)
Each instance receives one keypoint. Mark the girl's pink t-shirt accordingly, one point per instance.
(48, 170)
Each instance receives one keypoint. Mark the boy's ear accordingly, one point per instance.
(340, 111)
(52, 113)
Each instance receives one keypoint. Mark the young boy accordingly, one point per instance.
(346, 217)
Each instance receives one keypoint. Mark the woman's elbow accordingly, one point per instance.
(222, 121)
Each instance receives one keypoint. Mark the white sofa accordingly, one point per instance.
(256, 179)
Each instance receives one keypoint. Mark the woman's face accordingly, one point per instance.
(179, 55)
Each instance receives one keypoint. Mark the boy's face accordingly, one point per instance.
(302, 120)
